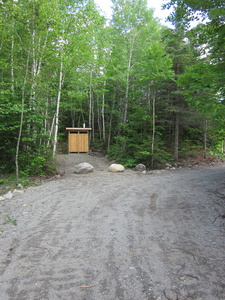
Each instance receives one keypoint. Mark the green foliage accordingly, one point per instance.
(131, 159)
(157, 63)
(138, 151)
(121, 79)
(9, 220)
(125, 157)
(161, 157)
(31, 163)
(34, 164)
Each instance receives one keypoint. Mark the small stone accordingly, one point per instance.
(170, 294)
(17, 192)
(116, 168)
(182, 278)
(19, 186)
(140, 168)
(9, 195)
(168, 165)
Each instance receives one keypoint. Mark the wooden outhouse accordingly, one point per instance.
(78, 140)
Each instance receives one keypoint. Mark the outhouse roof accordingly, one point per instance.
(78, 129)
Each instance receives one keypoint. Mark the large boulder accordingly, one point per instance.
(83, 168)
(140, 168)
(116, 168)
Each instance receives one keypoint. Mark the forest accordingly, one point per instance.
(151, 94)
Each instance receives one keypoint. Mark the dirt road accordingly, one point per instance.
(107, 236)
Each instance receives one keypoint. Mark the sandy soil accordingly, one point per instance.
(112, 236)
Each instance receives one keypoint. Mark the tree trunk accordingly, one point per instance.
(127, 89)
(51, 131)
(205, 136)
(128, 81)
(99, 117)
(110, 122)
(21, 118)
(176, 139)
(57, 107)
(90, 101)
(37, 57)
(12, 66)
(92, 118)
(153, 126)
(91, 109)
(103, 113)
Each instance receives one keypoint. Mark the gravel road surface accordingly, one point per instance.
(116, 236)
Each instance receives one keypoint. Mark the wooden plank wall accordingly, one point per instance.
(78, 142)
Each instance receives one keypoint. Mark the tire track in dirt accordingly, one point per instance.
(105, 236)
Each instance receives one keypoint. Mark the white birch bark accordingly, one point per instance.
(51, 131)
(153, 126)
(90, 101)
(21, 118)
(128, 80)
(57, 108)
(12, 66)
(103, 113)
(110, 122)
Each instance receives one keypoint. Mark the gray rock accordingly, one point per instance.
(168, 165)
(140, 168)
(170, 294)
(19, 186)
(17, 192)
(116, 168)
(83, 168)
(9, 195)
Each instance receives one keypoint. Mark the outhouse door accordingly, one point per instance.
(78, 140)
